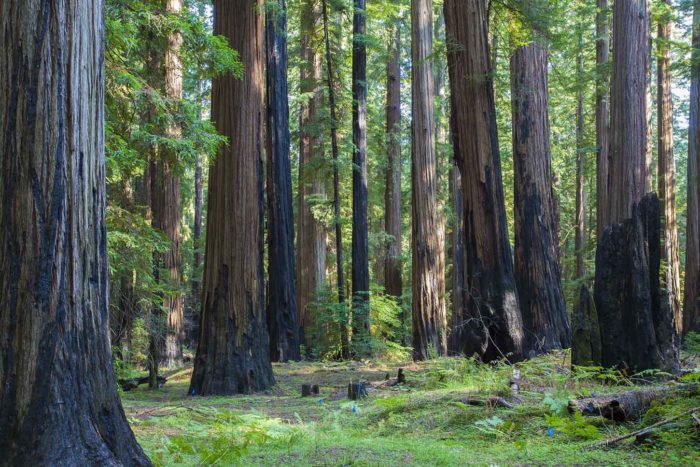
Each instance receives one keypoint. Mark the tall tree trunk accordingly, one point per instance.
(345, 337)
(580, 221)
(281, 302)
(58, 397)
(392, 195)
(233, 351)
(360, 244)
(667, 170)
(602, 98)
(429, 321)
(458, 277)
(311, 234)
(691, 299)
(165, 201)
(491, 323)
(536, 263)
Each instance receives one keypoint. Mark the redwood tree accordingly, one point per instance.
(602, 115)
(491, 323)
(58, 397)
(233, 353)
(281, 301)
(536, 240)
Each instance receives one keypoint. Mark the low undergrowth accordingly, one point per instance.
(428, 421)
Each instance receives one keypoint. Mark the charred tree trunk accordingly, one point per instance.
(602, 47)
(360, 243)
(392, 195)
(281, 302)
(536, 262)
(671, 272)
(233, 351)
(429, 320)
(691, 299)
(311, 234)
(345, 338)
(491, 323)
(585, 347)
(58, 396)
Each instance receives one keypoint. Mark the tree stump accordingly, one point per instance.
(637, 328)
(400, 377)
(357, 390)
(585, 349)
(309, 390)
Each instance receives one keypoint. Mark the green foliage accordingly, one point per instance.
(574, 426)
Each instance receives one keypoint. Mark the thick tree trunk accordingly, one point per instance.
(311, 234)
(282, 321)
(360, 243)
(671, 273)
(536, 263)
(58, 396)
(233, 351)
(580, 221)
(429, 320)
(637, 329)
(602, 48)
(345, 337)
(192, 324)
(392, 195)
(165, 202)
(490, 322)
(585, 347)
(691, 299)
(458, 290)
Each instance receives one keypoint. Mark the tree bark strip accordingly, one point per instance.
(602, 98)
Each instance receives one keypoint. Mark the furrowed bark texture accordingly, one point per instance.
(58, 396)
(233, 351)
(429, 314)
(691, 299)
(628, 145)
(536, 263)
(667, 172)
(602, 115)
(165, 202)
(360, 243)
(457, 279)
(392, 195)
(491, 324)
(281, 301)
(311, 234)
(637, 329)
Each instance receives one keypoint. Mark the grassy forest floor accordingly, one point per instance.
(424, 422)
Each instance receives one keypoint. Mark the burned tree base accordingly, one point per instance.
(637, 329)
(585, 349)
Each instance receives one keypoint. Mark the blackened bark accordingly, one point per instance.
(537, 271)
(345, 338)
(637, 329)
(392, 195)
(360, 243)
(585, 347)
(491, 323)
(282, 321)
(233, 350)
(58, 396)
(429, 320)
(602, 47)
(691, 299)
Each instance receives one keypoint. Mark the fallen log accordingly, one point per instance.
(488, 402)
(644, 431)
(630, 405)
(133, 383)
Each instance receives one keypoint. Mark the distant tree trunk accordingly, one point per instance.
(458, 279)
(580, 221)
(667, 171)
(281, 302)
(58, 396)
(193, 325)
(637, 329)
(165, 202)
(602, 47)
(345, 337)
(311, 234)
(392, 195)
(233, 350)
(536, 263)
(429, 320)
(491, 321)
(691, 300)
(360, 244)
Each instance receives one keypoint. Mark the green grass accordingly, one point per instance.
(424, 422)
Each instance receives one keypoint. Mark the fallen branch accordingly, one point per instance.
(488, 402)
(644, 431)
